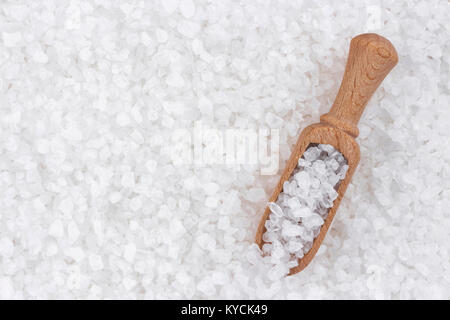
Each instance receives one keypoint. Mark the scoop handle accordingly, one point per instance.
(370, 59)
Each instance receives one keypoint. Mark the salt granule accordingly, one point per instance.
(302, 206)
(56, 229)
(96, 262)
(187, 8)
(122, 119)
(129, 252)
(6, 247)
(91, 121)
(175, 80)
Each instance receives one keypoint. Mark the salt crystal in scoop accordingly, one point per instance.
(302, 207)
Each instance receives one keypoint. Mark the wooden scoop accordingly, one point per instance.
(370, 59)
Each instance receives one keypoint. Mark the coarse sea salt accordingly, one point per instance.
(302, 207)
(85, 142)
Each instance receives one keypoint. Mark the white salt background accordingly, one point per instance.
(91, 205)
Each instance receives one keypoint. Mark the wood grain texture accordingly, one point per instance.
(371, 57)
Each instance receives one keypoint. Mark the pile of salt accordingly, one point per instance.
(303, 205)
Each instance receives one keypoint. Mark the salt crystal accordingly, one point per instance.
(151, 165)
(275, 209)
(134, 225)
(66, 206)
(269, 236)
(122, 119)
(129, 252)
(271, 226)
(307, 246)
(267, 248)
(76, 253)
(333, 164)
(42, 146)
(170, 5)
(85, 54)
(40, 57)
(72, 132)
(333, 179)
(6, 247)
(11, 39)
(327, 148)
(303, 180)
(161, 35)
(319, 167)
(206, 287)
(96, 262)
(342, 172)
(7, 290)
(312, 221)
(290, 230)
(315, 183)
(293, 203)
(294, 245)
(184, 204)
(128, 180)
(115, 197)
(51, 249)
(303, 163)
(212, 202)
(256, 194)
(187, 8)
(176, 228)
(311, 153)
(73, 231)
(188, 28)
(211, 188)
(56, 229)
(277, 271)
(135, 203)
(129, 283)
(299, 212)
(175, 80)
